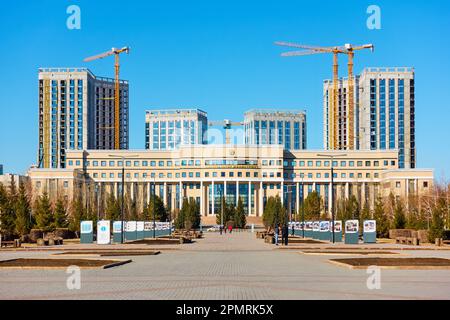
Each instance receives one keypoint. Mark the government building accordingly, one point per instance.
(77, 160)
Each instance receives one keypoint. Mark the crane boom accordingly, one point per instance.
(116, 53)
(333, 119)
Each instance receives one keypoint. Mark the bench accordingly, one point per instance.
(407, 241)
(14, 244)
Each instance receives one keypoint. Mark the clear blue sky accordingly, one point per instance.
(219, 56)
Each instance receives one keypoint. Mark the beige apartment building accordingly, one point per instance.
(251, 173)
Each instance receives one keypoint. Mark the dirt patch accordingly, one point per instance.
(304, 241)
(156, 241)
(112, 253)
(60, 263)
(347, 252)
(394, 263)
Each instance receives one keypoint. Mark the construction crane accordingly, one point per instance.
(349, 50)
(116, 53)
(227, 125)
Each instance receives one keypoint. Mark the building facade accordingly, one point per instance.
(387, 112)
(76, 112)
(250, 173)
(339, 132)
(169, 129)
(384, 114)
(276, 127)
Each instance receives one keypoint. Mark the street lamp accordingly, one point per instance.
(303, 205)
(332, 157)
(153, 198)
(288, 213)
(122, 190)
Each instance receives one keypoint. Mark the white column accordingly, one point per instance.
(132, 191)
(181, 194)
(363, 194)
(297, 198)
(165, 193)
(330, 196)
(202, 202)
(282, 193)
(237, 193)
(347, 190)
(261, 200)
(249, 198)
(225, 191)
(149, 190)
(213, 199)
(116, 189)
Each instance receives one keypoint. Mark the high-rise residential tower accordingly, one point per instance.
(168, 129)
(76, 112)
(387, 112)
(342, 135)
(276, 127)
(384, 113)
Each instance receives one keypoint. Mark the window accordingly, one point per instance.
(152, 163)
(255, 174)
(351, 163)
(367, 175)
(326, 163)
(70, 163)
(111, 175)
(397, 184)
(359, 175)
(66, 184)
(376, 163)
(136, 175)
(77, 163)
(239, 174)
(231, 174)
(360, 163)
(145, 163)
(318, 175)
(128, 163)
(425, 184)
(169, 163)
(161, 163)
(367, 163)
(310, 163)
(136, 163)
(343, 163)
(206, 174)
(95, 163)
(343, 175)
(302, 163)
(111, 163)
(352, 175)
(318, 163)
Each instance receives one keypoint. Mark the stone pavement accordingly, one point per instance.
(227, 267)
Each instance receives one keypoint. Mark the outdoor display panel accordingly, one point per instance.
(117, 231)
(140, 230)
(337, 231)
(325, 228)
(352, 232)
(316, 230)
(104, 232)
(370, 231)
(130, 230)
(308, 229)
(86, 232)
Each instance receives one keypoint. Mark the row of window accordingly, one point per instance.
(233, 174)
(192, 163)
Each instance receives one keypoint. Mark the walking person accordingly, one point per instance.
(276, 234)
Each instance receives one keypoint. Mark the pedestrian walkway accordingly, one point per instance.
(224, 267)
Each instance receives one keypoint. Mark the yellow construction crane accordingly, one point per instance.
(227, 125)
(349, 50)
(116, 53)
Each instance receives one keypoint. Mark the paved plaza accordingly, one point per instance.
(226, 267)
